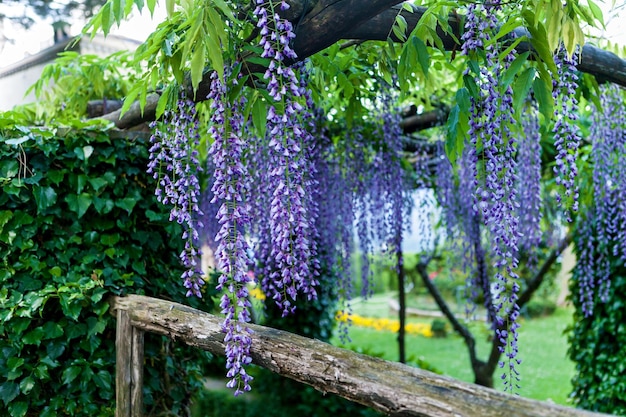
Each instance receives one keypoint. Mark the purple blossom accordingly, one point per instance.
(291, 211)
(174, 164)
(565, 130)
(529, 182)
(230, 188)
(495, 194)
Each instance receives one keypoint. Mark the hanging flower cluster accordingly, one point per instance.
(230, 188)
(494, 188)
(290, 218)
(174, 164)
(389, 177)
(604, 225)
(565, 130)
(529, 162)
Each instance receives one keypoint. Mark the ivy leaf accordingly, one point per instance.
(44, 197)
(127, 203)
(27, 384)
(79, 203)
(70, 374)
(18, 409)
(8, 392)
(33, 337)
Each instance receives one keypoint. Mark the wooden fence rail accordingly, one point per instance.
(389, 387)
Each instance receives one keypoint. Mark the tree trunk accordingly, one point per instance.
(402, 309)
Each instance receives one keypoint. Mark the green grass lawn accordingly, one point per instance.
(545, 370)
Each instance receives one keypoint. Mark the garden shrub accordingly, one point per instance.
(598, 343)
(79, 223)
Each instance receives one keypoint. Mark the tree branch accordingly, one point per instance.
(533, 285)
(332, 20)
(467, 336)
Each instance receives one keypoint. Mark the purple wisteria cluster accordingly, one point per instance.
(495, 191)
(230, 188)
(565, 130)
(389, 179)
(604, 225)
(290, 217)
(174, 164)
(529, 162)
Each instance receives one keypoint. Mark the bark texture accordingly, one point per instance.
(389, 387)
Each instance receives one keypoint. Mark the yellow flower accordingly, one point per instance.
(384, 324)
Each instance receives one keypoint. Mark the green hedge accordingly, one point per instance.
(79, 223)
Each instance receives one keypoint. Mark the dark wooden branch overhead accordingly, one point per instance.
(329, 21)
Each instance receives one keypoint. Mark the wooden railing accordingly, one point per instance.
(389, 387)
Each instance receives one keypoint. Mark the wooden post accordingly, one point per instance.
(123, 382)
(137, 373)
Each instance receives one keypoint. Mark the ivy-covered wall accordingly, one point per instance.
(79, 223)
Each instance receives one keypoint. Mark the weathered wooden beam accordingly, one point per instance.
(392, 388)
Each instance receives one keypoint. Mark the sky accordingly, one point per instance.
(39, 36)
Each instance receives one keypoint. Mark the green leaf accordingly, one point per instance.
(55, 271)
(163, 101)
(52, 330)
(118, 10)
(110, 240)
(33, 337)
(544, 98)
(521, 87)
(8, 392)
(463, 99)
(95, 326)
(259, 118)
(15, 363)
(18, 409)
(17, 141)
(79, 203)
(422, 54)
(70, 374)
(471, 86)
(127, 203)
(451, 142)
(197, 67)
(105, 12)
(97, 183)
(27, 384)
(596, 11)
(5, 216)
(514, 68)
(44, 197)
